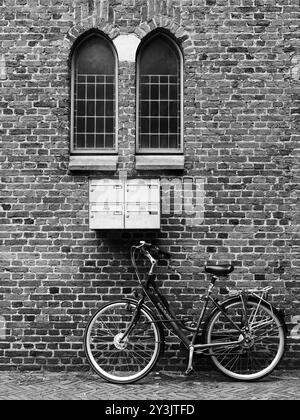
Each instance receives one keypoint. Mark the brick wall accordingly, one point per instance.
(241, 113)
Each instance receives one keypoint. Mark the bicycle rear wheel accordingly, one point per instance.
(258, 352)
(117, 360)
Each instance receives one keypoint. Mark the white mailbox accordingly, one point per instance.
(106, 203)
(124, 204)
(142, 204)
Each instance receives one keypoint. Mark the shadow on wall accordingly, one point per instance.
(122, 240)
(114, 248)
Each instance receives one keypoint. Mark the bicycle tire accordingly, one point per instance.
(264, 348)
(122, 362)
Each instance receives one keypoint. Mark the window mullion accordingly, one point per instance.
(159, 115)
(95, 113)
(85, 112)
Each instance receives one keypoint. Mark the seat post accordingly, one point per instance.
(212, 283)
(213, 279)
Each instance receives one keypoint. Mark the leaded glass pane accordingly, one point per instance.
(94, 95)
(159, 94)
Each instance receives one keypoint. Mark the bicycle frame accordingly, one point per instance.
(169, 318)
(176, 325)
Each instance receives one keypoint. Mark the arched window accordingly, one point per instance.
(94, 94)
(159, 95)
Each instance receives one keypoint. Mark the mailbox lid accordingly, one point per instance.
(103, 216)
(142, 216)
(106, 190)
(142, 220)
(106, 221)
(142, 190)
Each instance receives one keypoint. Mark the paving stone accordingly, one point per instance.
(282, 385)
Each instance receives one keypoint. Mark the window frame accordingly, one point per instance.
(76, 151)
(159, 151)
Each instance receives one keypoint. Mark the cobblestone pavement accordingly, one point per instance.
(281, 385)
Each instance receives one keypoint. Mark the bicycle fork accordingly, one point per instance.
(134, 320)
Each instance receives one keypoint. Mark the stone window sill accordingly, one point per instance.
(93, 163)
(159, 162)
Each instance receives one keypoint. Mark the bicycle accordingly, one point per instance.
(244, 335)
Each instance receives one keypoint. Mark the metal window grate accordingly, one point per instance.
(94, 107)
(159, 111)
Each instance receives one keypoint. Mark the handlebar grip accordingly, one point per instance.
(155, 251)
(143, 243)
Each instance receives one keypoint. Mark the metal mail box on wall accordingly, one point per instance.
(106, 204)
(107, 217)
(142, 190)
(106, 190)
(142, 204)
(124, 204)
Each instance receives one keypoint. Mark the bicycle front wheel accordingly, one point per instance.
(115, 359)
(258, 352)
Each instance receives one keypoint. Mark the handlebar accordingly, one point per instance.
(154, 251)
(143, 243)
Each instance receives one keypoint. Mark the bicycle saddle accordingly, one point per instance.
(219, 270)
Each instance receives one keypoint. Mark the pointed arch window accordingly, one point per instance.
(159, 95)
(94, 96)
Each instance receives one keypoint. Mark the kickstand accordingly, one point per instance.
(190, 368)
(189, 371)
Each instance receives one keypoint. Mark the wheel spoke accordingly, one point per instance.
(120, 360)
(261, 349)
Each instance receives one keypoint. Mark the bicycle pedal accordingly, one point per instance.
(189, 371)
